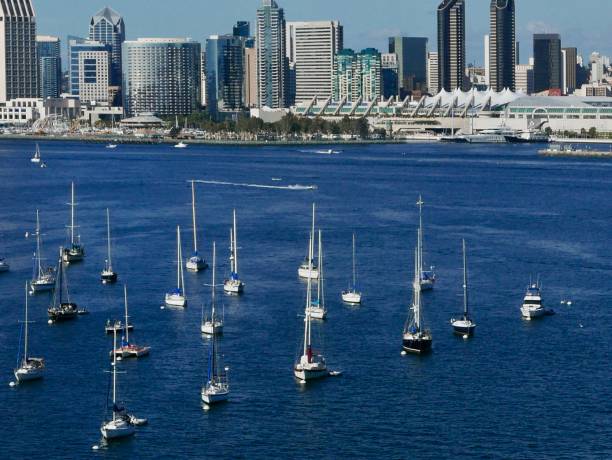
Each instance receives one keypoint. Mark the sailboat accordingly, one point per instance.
(317, 308)
(195, 262)
(352, 295)
(213, 325)
(61, 308)
(43, 279)
(311, 365)
(427, 277)
(216, 389)
(4, 265)
(127, 349)
(29, 368)
(464, 326)
(234, 284)
(416, 339)
(177, 297)
(75, 252)
(36, 158)
(119, 425)
(308, 269)
(108, 276)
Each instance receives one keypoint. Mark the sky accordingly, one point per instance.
(367, 23)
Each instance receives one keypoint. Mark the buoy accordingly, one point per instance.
(12, 384)
(50, 321)
(162, 307)
(95, 447)
(403, 353)
(465, 336)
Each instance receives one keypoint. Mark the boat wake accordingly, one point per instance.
(295, 187)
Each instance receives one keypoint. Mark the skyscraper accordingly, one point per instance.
(89, 69)
(357, 75)
(18, 63)
(433, 86)
(312, 47)
(224, 73)
(487, 59)
(242, 29)
(389, 71)
(502, 46)
(107, 27)
(272, 63)
(250, 75)
(547, 70)
(161, 76)
(411, 63)
(451, 45)
(49, 65)
(570, 63)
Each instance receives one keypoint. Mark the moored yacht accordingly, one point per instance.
(532, 303)
(352, 295)
(217, 388)
(75, 251)
(212, 325)
(177, 297)
(36, 158)
(127, 349)
(61, 308)
(108, 275)
(195, 263)
(317, 308)
(29, 368)
(43, 278)
(308, 269)
(464, 326)
(234, 284)
(427, 277)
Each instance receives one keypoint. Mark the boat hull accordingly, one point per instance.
(306, 375)
(317, 312)
(233, 287)
(41, 286)
(117, 430)
(73, 255)
(214, 397)
(108, 277)
(173, 300)
(304, 273)
(351, 297)
(463, 328)
(210, 328)
(417, 345)
(196, 264)
(529, 314)
(65, 312)
(131, 352)
(28, 374)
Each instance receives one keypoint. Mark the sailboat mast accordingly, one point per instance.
(72, 215)
(232, 269)
(214, 282)
(60, 282)
(320, 265)
(417, 286)
(235, 244)
(38, 261)
(108, 237)
(114, 370)
(354, 269)
(193, 216)
(312, 233)
(127, 336)
(465, 281)
(178, 256)
(308, 299)
(25, 345)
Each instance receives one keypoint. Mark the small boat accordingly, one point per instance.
(325, 152)
(213, 325)
(108, 275)
(234, 284)
(352, 295)
(317, 308)
(111, 146)
(216, 389)
(308, 269)
(127, 349)
(29, 368)
(4, 265)
(464, 326)
(416, 338)
(75, 252)
(177, 297)
(119, 424)
(427, 277)
(112, 325)
(311, 364)
(61, 308)
(195, 262)
(180, 145)
(43, 278)
(532, 303)
(36, 158)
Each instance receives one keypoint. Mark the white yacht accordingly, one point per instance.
(127, 349)
(311, 365)
(108, 275)
(491, 136)
(177, 297)
(317, 308)
(308, 269)
(195, 263)
(217, 388)
(43, 278)
(111, 146)
(234, 284)
(75, 251)
(532, 303)
(29, 368)
(464, 326)
(36, 158)
(352, 295)
(213, 325)
(427, 277)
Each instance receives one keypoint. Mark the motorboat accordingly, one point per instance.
(180, 145)
(532, 303)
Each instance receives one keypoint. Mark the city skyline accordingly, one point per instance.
(362, 29)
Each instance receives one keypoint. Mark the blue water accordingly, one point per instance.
(516, 390)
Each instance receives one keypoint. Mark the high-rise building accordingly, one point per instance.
(524, 78)
(502, 45)
(411, 63)
(242, 29)
(357, 75)
(570, 63)
(224, 73)
(433, 86)
(89, 69)
(390, 79)
(107, 27)
(250, 76)
(451, 45)
(547, 62)
(272, 63)
(49, 65)
(203, 98)
(18, 63)
(161, 76)
(487, 62)
(312, 48)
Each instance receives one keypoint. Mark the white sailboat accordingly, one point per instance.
(108, 275)
(311, 365)
(29, 368)
(195, 262)
(36, 158)
(4, 265)
(317, 308)
(213, 325)
(75, 252)
(464, 326)
(43, 279)
(234, 284)
(216, 389)
(119, 425)
(308, 269)
(352, 295)
(177, 297)
(427, 277)
(127, 349)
